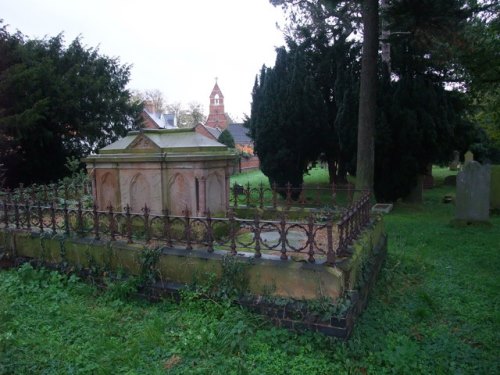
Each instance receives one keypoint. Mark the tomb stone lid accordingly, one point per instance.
(163, 140)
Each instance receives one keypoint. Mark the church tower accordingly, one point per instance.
(216, 116)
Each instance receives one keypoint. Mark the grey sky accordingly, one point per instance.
(178, 47)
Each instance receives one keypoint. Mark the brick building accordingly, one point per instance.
(218, 121)
(157, 120)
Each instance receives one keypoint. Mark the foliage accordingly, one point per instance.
(148, 260)
(420, 123)
(287, 118)
(434, 46)
(432, 311)
(57, 102)
(226, 138)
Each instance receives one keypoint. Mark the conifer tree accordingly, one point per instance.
(58, 102)
(288, 114)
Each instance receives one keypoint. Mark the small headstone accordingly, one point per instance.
(428, 182)
(447, 199)
(473, 193)
(468, 157)
(455, 163)
(384, 208)
(416, 193)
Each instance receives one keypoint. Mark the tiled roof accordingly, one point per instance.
(239, 133)
(216, 132)
(163, 120)
(166, 140)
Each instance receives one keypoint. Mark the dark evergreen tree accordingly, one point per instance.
(322, 29)
(287, 118)
(226, 138)
(58, 102)
(420, 122)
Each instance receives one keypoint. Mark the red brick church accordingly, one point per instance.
(218, 120)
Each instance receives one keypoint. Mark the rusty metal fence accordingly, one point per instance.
(289, 196)
(319, 237)
(48, 193)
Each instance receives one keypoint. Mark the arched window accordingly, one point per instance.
(216, 99)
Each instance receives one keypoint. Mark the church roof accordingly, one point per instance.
(239, 133)
(216, 132)
(163, 120)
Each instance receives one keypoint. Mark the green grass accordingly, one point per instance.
(434, 310)
(316, 176)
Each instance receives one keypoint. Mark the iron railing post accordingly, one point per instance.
(79, 219)
(96, 222)
(283, 256)
(330, 254)
(66, 218)
(147, 233)
(53, 217)
(210, 236)
(187, 229)
(128, 223)
(256, 232)
(310, 238)
(167, 232)
(27, 215)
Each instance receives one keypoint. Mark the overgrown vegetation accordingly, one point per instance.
(434, 310)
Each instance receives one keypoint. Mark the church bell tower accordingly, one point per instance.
(217, 115)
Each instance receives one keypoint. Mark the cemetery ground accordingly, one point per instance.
(434, 309)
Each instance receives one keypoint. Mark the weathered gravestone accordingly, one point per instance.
(468, 157)
(428, 179)
(473, 193)
(416, 193)
(455, 163)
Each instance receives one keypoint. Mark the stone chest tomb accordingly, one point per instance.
(164, 169)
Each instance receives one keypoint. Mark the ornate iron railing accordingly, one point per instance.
(325, 237)
(288, 196)
(48, 193)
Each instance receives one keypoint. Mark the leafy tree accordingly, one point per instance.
(156, 98)
(58, 102)
(187, 118)
(481, 60)
(226, 138)
(420, 122)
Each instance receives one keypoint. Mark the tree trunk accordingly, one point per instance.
(332, 170)
(367, 98)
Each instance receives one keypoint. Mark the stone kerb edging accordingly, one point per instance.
(292, 282)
